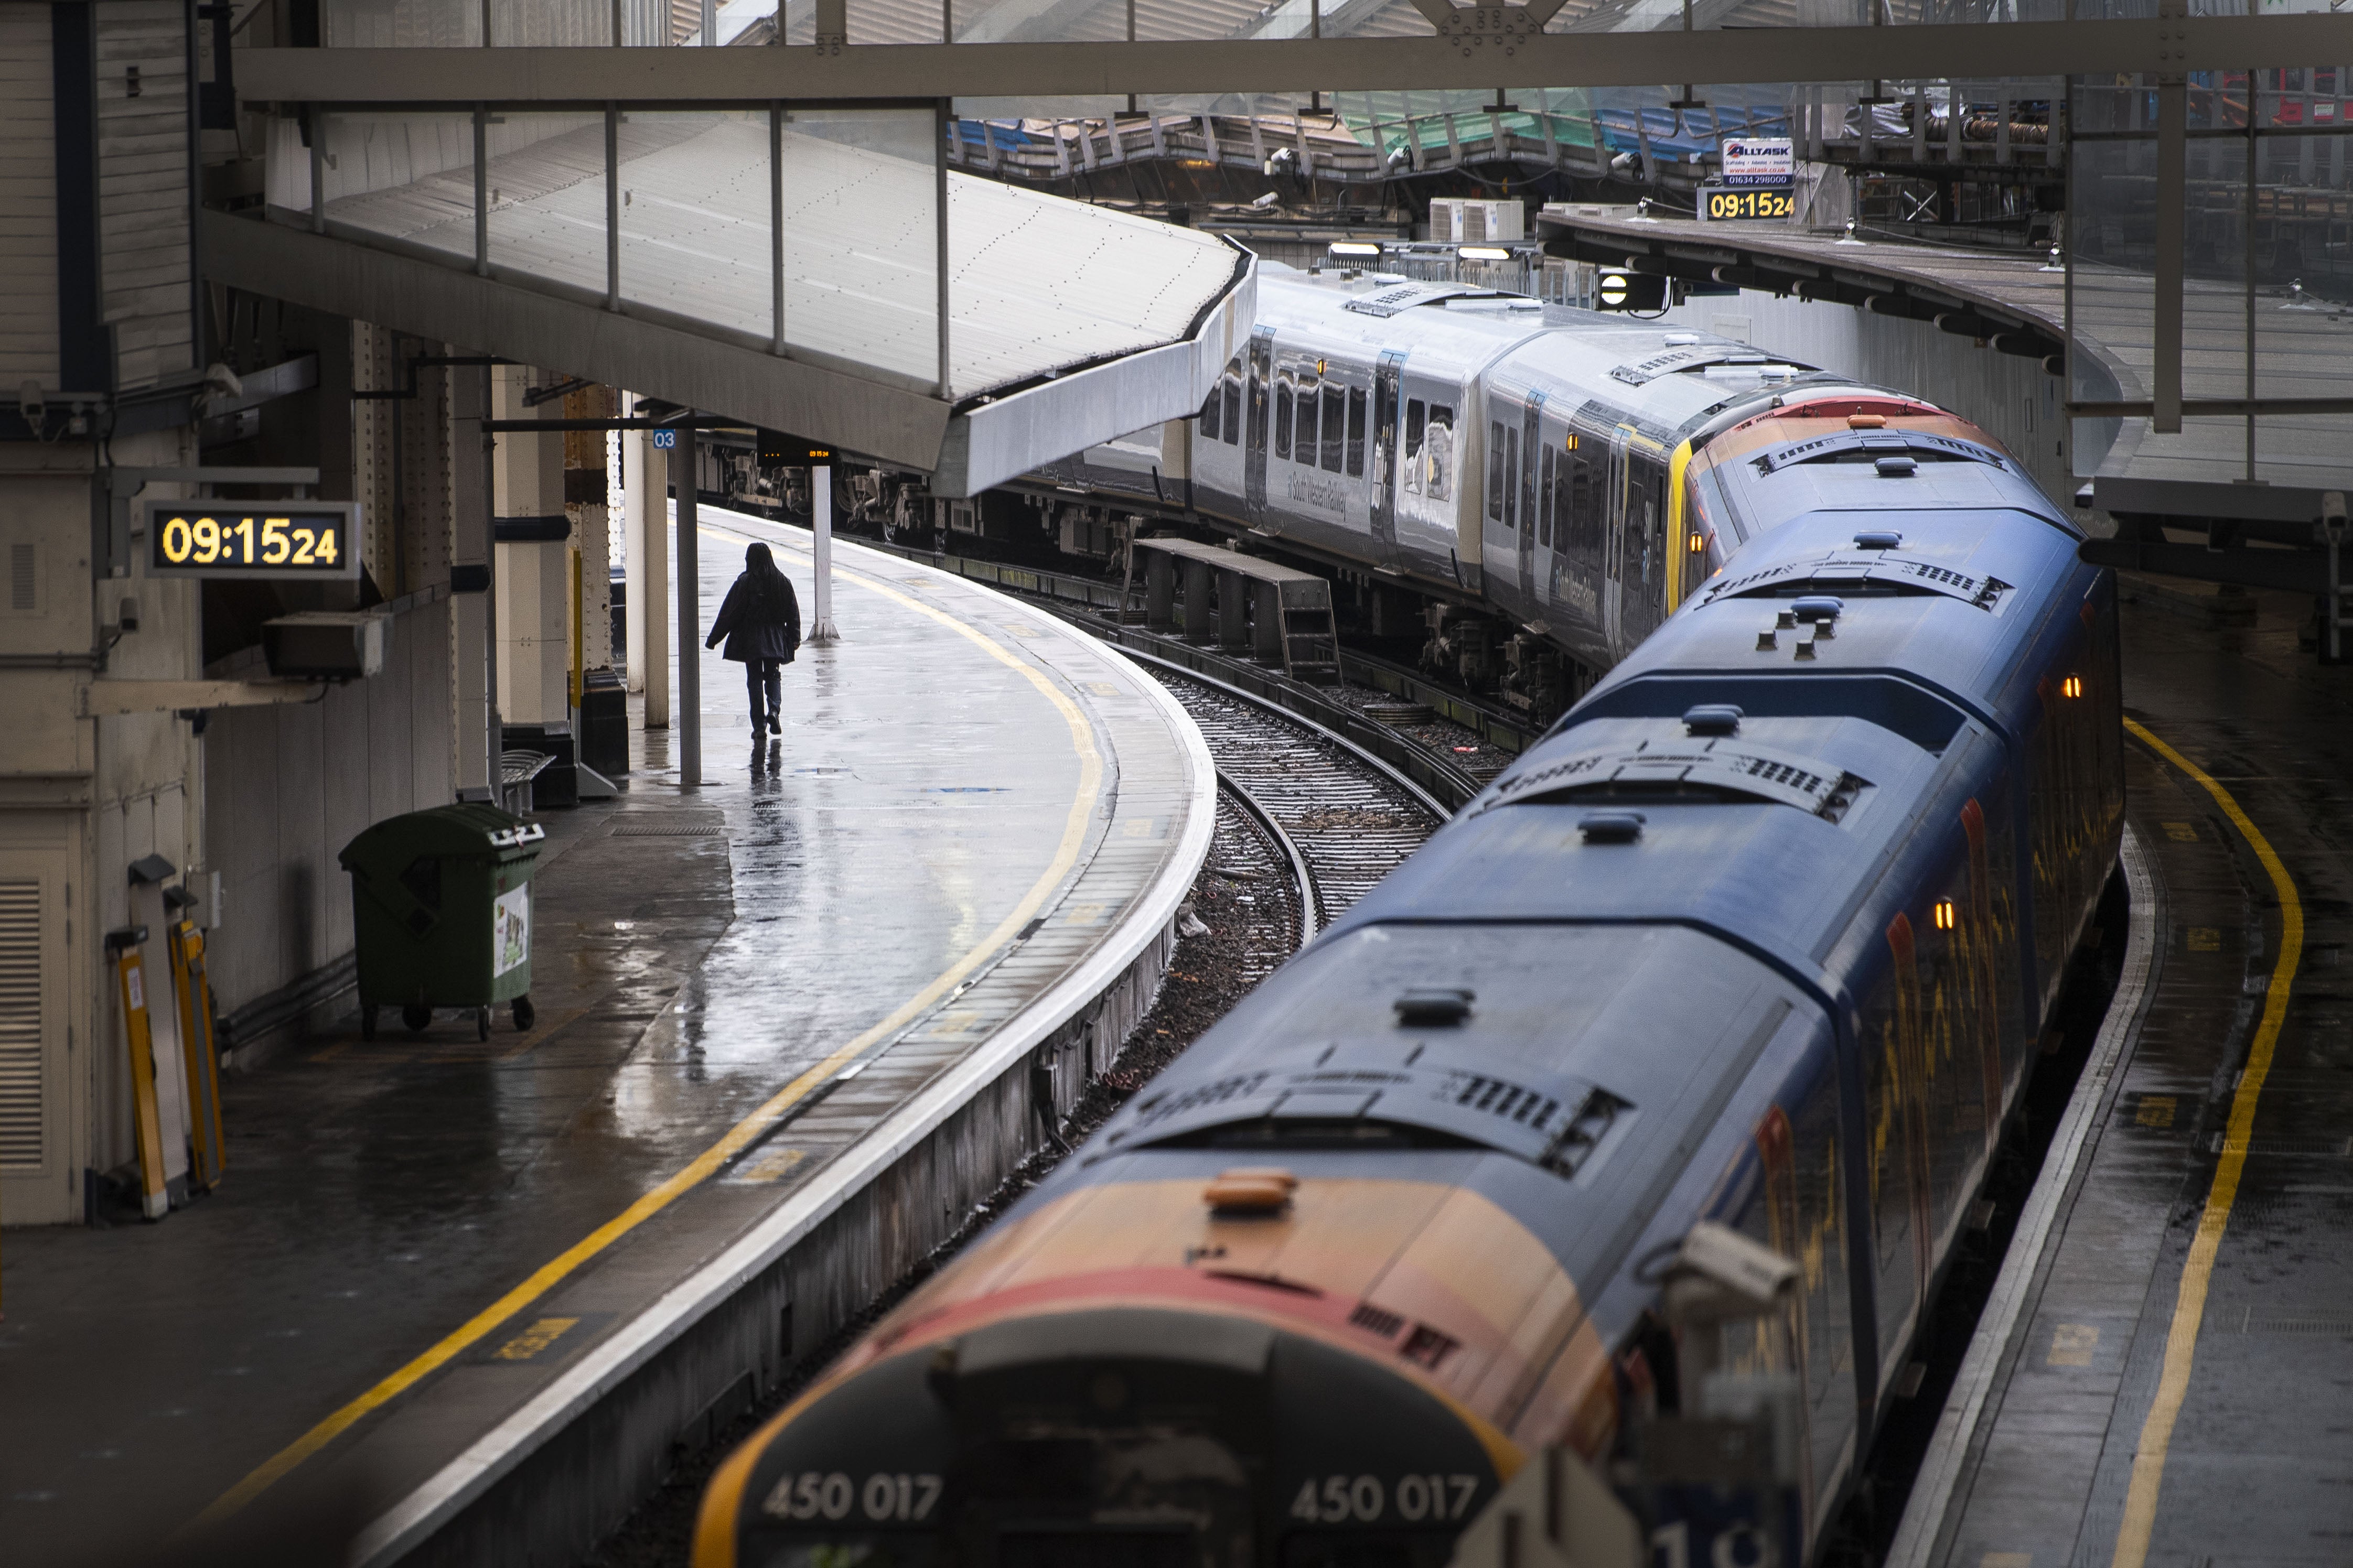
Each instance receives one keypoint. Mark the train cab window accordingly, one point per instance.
(1439, 437)
(1335, 425)
(1414, 411)
(1544, 499)
(1302, 425)
(1282, 417)
(1213, 410)
(1495, 512)
(1233, 410)
(1355, 432)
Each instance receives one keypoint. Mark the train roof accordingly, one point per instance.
(1671, 378)
(1596, 1092)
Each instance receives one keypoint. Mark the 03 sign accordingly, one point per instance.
(252, 539)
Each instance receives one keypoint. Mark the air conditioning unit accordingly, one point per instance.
(1458, 220)
(327, 644)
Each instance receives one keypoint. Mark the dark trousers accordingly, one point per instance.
(765, 675)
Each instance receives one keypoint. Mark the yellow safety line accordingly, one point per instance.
(2198, 1274)
(741, 1135)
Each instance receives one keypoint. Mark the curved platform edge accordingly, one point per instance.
(554, 1477)
(1921, 1541)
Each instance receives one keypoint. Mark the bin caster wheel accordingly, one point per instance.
(525, 1014)
(482, 1023)
(367, 1020)
(416, 1015)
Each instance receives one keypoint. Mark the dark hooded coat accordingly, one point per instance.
(760, 617)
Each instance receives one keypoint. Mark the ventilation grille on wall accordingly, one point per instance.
(20, 1025)
(24, 595)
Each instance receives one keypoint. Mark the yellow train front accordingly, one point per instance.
(1163, 1373)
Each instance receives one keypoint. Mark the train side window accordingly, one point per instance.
(1335, 425)
(1213, 408)
(1544, 501)
(1233, 410)
(1511, 475)
(1303, 433)
(1441, 437)
(1355, 432)
(1581, 507)
(1495, 473)
(1414, 410)
(1282, 417)
(1563, 501)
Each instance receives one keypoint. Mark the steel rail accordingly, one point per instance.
(1412, 791)
(1301, 872)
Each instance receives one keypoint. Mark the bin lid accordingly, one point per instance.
(457, 831)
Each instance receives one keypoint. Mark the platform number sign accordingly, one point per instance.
(664, 440)
(252, 539)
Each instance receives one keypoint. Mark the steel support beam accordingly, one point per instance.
(917, 72)
(107, 697)
(2283, 571)
(2165, 303)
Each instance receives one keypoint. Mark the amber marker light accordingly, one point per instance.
(2072, 687)
(1698, 545)
(1943, 914)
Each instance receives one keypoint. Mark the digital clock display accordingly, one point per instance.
(252, 539)
(1722, 205)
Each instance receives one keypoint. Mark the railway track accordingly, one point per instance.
(1338, 817)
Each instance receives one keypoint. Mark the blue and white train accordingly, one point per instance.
(1763, 933)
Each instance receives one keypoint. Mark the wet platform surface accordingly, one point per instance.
(417, 1235)
(2166, 1400)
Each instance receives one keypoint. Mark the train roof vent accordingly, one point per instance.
(1690, 771)
(1713, 719)
(1853, 446)
(1388, 302)
(1364, 1095)
(1869, 569)
(1690, 355)
(1444, 1007)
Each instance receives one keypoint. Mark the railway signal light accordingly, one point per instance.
(1624, 290)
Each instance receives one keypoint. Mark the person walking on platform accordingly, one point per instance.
(761, 620)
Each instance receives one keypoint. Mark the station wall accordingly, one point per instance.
(286, 787)
(2011, 397)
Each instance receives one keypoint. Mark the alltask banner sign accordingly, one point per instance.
(1759, 163)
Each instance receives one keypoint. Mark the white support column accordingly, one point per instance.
(472, 743)
(820, 627)
(533, 576)
(648, 502)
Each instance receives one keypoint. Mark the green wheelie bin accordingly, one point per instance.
(441, 910)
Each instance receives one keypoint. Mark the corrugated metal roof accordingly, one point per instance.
(1037, 284)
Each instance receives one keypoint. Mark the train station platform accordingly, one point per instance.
(461, 1301)
(2159, 1377)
